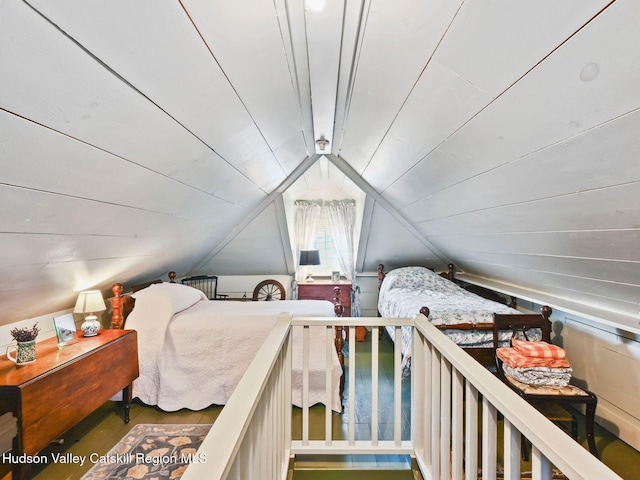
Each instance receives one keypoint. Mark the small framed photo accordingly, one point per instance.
(65, 327)
(335, 277)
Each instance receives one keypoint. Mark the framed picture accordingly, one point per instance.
(65, 327)
(335, 277)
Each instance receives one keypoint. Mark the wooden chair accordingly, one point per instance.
(549, 400)
(208, 284)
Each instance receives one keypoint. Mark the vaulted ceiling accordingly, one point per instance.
(142, 136)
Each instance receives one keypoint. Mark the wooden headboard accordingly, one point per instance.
(122, 304)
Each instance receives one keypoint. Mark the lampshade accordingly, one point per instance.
(89, 302)
(309, 257)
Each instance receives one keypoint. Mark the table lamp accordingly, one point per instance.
(309, 258)
(90, 301)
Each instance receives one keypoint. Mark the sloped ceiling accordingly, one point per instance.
(142, 136)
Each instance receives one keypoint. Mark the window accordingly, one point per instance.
(324, 243)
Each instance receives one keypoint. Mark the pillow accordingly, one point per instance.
(179, 296)
(409, 277)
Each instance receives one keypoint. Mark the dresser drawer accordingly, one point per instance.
(320, 290)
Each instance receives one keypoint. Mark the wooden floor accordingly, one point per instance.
(104, 428)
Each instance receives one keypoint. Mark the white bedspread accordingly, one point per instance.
(195, 357)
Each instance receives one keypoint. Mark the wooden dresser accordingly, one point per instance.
(323, 290)
(63, 386)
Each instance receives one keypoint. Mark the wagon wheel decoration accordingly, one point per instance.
(269, 290)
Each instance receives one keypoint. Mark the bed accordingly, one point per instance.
(465, 317)
(193, 351)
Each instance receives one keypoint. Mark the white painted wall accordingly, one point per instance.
(607, 362)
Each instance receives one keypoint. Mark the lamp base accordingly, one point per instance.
(309, 278)
(91, 326)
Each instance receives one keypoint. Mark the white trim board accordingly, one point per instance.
(619, 320)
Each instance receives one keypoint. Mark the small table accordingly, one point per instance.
(63, 386)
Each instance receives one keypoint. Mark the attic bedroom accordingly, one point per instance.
(145, 137)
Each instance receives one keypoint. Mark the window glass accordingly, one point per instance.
(324, 244)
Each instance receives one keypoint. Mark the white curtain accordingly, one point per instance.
(307, 214)
(342, 221)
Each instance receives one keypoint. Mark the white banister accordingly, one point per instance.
(328, 380)
(512, 451)
(353, 443)
(445, 416)
(550, 446)
(471, 432)
(375, 363)
(489, 439)
(352, 387)
(305, 385)
(252, 436)
(397, 389)
(436, 423)
(457, 425)
(418, 400)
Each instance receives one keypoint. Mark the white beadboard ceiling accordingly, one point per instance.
(142, 136)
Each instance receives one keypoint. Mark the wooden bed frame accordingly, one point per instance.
(484, 355)
(122, 305)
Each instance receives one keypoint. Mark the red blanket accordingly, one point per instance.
(511, 357)
(538, 349)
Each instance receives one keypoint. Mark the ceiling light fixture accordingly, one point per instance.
(322, 143)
